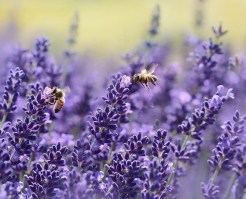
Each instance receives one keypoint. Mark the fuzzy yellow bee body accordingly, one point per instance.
(56, 97)
(59, 104)
(145, 76)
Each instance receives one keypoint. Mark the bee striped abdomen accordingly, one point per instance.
(59, 104)
(55, 96)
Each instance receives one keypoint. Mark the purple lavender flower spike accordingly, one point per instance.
(210, 191)
(159, 168)
(225, 153)
(219, 32)
(208, 71)
(54, 155)
(41, 48)
(23, 137)
(135, 144)
(13, 189)
(105, 121)
(155, 21)
(123, 172)
(36, 64)
(74, 185)
(11, 92)
(45, 181)
(49, 179)
(5, 164)
(82, 156)
(205, 115)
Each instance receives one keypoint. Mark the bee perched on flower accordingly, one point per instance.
(145, 76)
(55, 96)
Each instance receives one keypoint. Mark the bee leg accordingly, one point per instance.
(153, 79)
(153, 82)
(143, 84)
(48, 102)
(146, 82)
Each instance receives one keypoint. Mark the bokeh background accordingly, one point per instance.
(109, 28)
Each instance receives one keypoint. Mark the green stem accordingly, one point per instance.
(187, 137)
(3, 119)
(231, 183)
(170, 178)
(5, 114)
(215, 174)
(22, 177)
(217, 170)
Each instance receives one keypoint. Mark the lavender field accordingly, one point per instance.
(147, 129)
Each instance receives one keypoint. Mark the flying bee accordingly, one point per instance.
(56, 97)
(146, 76)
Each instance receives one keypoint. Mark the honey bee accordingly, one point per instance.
(145, 76)
(56, 97)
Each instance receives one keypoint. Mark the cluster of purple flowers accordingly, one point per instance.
(170, 141)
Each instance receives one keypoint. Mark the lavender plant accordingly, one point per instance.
(133, 142)
(224, 154)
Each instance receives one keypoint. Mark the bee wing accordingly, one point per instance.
(66, 90)
(144, 71)
(152, 69)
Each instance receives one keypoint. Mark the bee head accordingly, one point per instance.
(136, 78)
(59, 94)
(54, 90)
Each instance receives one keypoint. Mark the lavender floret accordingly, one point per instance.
(11, 93)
